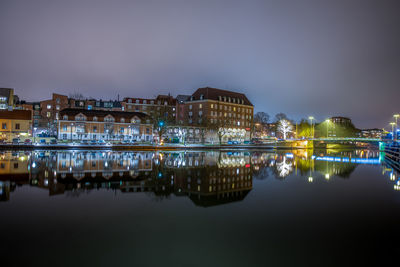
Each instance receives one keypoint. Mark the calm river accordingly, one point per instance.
(215, 208)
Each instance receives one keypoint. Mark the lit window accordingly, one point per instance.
(200, 105)
(48, 106)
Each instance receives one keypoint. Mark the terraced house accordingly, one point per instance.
(83, 124)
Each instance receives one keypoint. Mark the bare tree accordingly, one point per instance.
(221, 127)
(261, 117)
(284, 127)
(76, 95)
(280, 116)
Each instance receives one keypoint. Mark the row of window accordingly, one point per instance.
(4, 126)
(224, 107)
(151, 102)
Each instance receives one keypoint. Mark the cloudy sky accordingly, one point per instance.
(316, 57)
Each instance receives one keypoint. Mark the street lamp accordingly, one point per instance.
(71, 131)
(393, 124)
(311, 118)
(34, 134)
(327, 127)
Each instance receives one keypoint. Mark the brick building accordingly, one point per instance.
(229, 110)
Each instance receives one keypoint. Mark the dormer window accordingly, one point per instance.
(80, 117)
(65, 117)
(135, 120)
(109, 118)
(144, 101)
(94, 118)
(122, 119)
(129, 100)
(201, 97)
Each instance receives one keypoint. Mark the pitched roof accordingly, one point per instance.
(215, 94)
(103, 113)
(182, 98)
(16, 114)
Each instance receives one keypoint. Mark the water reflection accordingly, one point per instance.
(207, 178)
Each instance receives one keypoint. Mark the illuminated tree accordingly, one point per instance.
(284, 127)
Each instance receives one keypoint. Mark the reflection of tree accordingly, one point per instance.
(341, 169)
(262, 173)
(283, 167)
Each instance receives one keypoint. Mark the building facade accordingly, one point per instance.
(7, 100)
(82, 124)
(230, 112)
(162, 107)
(15, 124)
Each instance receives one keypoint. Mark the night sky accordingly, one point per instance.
(319, 58)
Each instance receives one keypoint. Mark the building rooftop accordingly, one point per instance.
(100, 114)
(219, 94)
(16, 114)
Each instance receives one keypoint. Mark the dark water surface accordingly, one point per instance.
(218, 208)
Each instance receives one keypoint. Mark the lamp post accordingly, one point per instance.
(34, 134)
(327, 127)
(71, 131)
(393, 124)
(311, 118)
(396, 116)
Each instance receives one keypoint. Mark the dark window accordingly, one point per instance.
(15, 165)
(17, 126)
(4, 126)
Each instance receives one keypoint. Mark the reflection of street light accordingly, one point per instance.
(393, 124)
(311, 118)
(396, 116)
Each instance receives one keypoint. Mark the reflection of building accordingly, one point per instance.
(15, 124)
(210, 178)
(14, 168)
(81, 124)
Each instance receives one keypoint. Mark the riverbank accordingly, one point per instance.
(149, 147)
(137, 147)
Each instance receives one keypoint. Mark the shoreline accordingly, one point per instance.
(30, 147)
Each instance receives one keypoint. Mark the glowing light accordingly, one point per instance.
(327, 176)
(310, 179)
